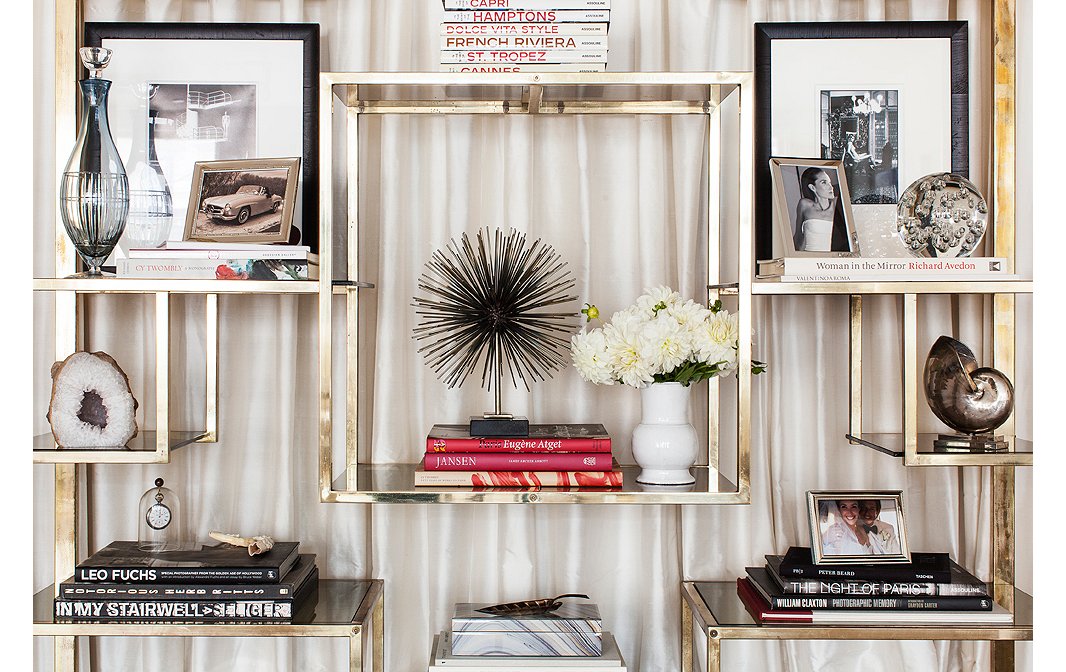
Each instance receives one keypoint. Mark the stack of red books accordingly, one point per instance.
(563, 456)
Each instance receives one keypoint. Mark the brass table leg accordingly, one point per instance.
(686, 636)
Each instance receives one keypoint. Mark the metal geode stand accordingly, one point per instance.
(973, 400)
(488, 305)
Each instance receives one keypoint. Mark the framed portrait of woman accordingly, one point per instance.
(858, 527)
(812, 208)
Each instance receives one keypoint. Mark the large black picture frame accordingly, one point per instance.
(307, 33)
(767, 33)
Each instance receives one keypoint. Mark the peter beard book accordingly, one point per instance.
(931, 567)
(124, 562)
(285, 589)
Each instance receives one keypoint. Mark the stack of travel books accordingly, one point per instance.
(194, 260)
(568, 639)
(551, 456)
(931, 589)
(524, 35)
(874, 269)
(195, 584)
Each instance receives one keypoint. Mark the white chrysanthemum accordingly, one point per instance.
(665, 344)
(715, 340)
(689, 313)
(654, 296)
(624, 355)
(589, 352)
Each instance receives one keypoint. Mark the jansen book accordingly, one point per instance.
(564, 438)
(962, 583)
(519, 479)
(778, 599)
(931, 567)
(528, 16)
(521, 461)
(760, 609)
(125, 562)
(284, 589)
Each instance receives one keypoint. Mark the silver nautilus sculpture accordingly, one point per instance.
(970, 399)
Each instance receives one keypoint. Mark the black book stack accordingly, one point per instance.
(931, 589)
(194, 584)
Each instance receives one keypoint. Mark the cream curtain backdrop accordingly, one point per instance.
(620, 198)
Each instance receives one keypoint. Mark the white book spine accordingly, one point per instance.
(523, 42)
(525, 67)
(528, 16)
(524, 56)
(215, 245)
(858, 277)
(903, 268)
(526, 4)
(523, 29)
(146, 255)
(187, 269)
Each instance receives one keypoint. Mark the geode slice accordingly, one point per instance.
(92, 404)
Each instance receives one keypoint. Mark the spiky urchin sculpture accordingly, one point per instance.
(490, 303)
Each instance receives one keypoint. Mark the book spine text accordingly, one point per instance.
(175, 610)
(506, 445)
(520, 479)
(528, 16)
(523, 29)
(526, 4)
(523, 56)
(525, 461)
(522, 42)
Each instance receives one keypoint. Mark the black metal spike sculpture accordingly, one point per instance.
(490, 303)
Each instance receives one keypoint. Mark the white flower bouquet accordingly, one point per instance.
(659, 339)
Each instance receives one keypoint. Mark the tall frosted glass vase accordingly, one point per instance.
(94, 194)
(665, 443)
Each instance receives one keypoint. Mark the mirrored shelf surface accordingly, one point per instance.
(110, 285)
(340, 606)
(141, 449)
(717, 607)
(394, 483)
(1019, 453)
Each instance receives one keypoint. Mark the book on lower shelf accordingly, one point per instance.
(443, 659)
(123, 583)
(542, 438)
(520, 479)
(895, 269)
(221, 268)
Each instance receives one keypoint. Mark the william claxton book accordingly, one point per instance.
(962, 583)
(528, 16)
(760, 609)
(522, 56)
(778, 599)
(932, 567)
(526, 4)
(564, 438)
(124, 562)
(523, 28)
(284, 589)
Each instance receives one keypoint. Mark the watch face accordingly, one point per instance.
(158, 516)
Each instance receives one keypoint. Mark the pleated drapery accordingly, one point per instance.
(621, 197)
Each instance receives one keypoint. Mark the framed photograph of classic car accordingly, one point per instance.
(189, 92)
(242, 201)
(888, 99)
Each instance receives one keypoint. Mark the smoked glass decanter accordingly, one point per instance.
(94, 196)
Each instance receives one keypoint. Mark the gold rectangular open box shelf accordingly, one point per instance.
(718, 98)
(771, 286)
(344, 609)
(1019, 453)
(394, 483)
(141, 449)
(111, 285)
(720, 614)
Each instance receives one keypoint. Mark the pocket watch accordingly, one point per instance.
(159, 514)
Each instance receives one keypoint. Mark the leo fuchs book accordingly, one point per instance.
(125, 562)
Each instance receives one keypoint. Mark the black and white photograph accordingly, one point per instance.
(242, 201)
(209, 121)
(861, 129)
(813, 207)
(857, 526)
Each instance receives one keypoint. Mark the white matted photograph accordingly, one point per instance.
(858, 527)
(250, 200)
(813, 208)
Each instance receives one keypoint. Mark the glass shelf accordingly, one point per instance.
(720, 612)
(1019, 453)
(152, 285)
(341, 605)
(775, 286)
(141, 449)
(394, 483)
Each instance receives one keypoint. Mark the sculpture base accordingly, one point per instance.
(516, 426)
(970, 443)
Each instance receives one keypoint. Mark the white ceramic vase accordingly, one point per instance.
(664, 443)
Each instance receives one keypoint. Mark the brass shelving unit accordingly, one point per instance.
(349, 609)
(348, 99)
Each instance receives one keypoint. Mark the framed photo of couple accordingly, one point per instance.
(887, 100)
(858, 527)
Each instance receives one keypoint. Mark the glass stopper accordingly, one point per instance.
(95, 59)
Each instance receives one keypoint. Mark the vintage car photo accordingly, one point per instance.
(242, 201)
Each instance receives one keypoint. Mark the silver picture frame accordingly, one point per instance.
(836, 540)
(788, 178)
